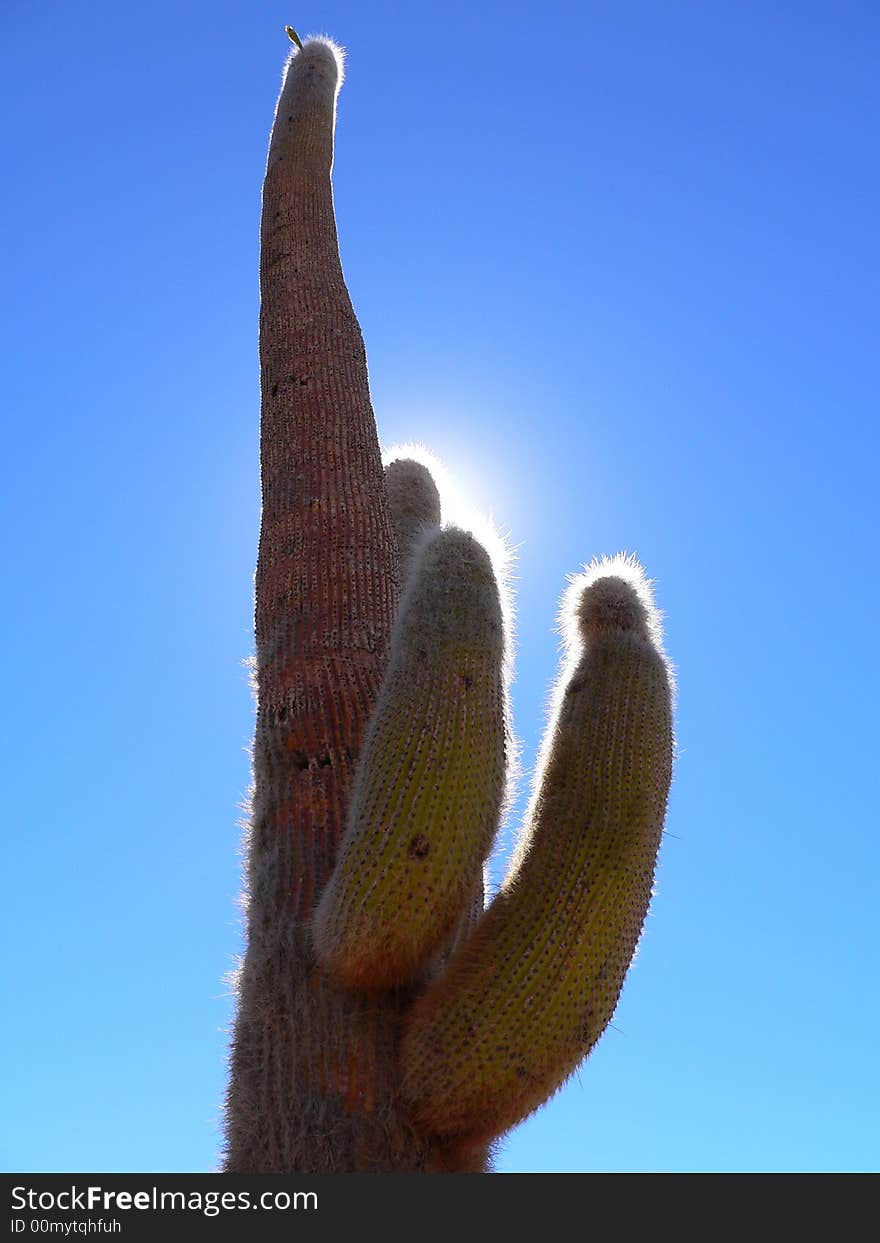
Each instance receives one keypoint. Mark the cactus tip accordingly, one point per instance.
(610, 594)
(611, 603)
(458, 511)
(411, 485)
(315, 48)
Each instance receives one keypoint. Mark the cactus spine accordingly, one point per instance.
(384, 1021)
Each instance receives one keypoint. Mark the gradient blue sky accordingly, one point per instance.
(618, 265)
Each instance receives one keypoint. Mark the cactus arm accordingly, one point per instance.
(413, 503)
(538, 980)
(431, 779)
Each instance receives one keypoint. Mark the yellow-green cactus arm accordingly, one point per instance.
(414, 505)
(431, 778)
(535, 984)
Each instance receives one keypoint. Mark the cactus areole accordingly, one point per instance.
(385, 1021)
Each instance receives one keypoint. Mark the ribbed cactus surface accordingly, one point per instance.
(385, 1021)
(538, 980)
(431, 781)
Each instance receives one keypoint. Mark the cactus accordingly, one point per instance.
(384, 1021)
(431, 781)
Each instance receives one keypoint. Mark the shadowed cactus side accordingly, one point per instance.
(385, 1021)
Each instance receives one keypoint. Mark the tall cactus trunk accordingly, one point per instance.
(314, 1067)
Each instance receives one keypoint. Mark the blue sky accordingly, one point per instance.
(619, 269)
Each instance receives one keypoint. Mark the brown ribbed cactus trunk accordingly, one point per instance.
(314, 1068)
